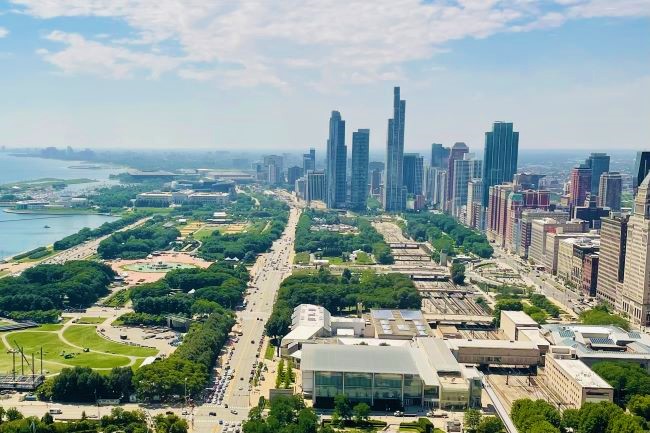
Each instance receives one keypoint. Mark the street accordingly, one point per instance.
(266, 275)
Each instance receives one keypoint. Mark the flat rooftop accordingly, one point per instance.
(582, 374)
(519, 318)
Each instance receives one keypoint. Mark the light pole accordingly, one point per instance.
(185, 396)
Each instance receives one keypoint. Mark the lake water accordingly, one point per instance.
(21, 232)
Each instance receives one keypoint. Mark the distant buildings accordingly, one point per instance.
(499, 157)
(164, 199)
(359, 179)
(456, 153)
(599, 164)
(580, 185)
(274, 168)
(641, 169)
(336, 163)
(315, 185)
(413, 173)
(394, 191)
(464, 170)
(610, 190)
(309, 160)
(293, 173)
(439, 155)
(611, 269)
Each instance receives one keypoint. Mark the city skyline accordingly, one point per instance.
(117, 77)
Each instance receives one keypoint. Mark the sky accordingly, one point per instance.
(265, 74)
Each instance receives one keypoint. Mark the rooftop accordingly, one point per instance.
(519, 318)
(582, 374)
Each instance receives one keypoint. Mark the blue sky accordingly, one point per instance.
(266, 74)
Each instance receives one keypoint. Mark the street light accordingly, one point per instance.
(185, 396)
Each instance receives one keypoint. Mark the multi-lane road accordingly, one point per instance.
(267, 274)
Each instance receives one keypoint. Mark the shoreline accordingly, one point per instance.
(49, 212)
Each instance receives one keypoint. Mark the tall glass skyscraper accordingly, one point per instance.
(499, 157)
(439, 155)
(599, 164)
(309, 160)
(360, 159)
(413, 170)
(337, 154)
(394, 193)
(641, 168)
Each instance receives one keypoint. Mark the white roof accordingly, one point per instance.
(367, 359)
(582, 374)
(519, 318)
(455, 343)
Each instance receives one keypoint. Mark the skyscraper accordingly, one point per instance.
(635, 302)
(337, 154)
(610, 190)
(413, 173)
(439, 155)
(464, 170)
(580, 185)
(499, 157)
(293, 173)
(394, 194)
(359, 181)
(457, 152)
(315, 185)
(641, 168)
(611, 268)
(309, 160)
(599, 164)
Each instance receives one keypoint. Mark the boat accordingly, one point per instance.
(46, 226)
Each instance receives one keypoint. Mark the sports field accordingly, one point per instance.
(77, 345)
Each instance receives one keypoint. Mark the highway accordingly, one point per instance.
(266, 275)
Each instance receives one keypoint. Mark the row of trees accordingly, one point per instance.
(285, 415)
(86, 234)
(445, 233)
(628, 380)
(539, 416)
(334, 244)
(602, 315)
(138, 242)
(338, 294)
(42, 290)
(83, 384)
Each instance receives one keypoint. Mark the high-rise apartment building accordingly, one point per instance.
(439, 155)
(499, 157)
(457, 153)
(394, 193)
(413, 173)
(309, 160)
(599, 164)
(641, 168)
(274, 168)
(438, 187)
(635, 296)
(293, 173)
(611, 267)
(526, 222)
(359, 179)
(337, 154)
(464, 170)
(580, 185)
(474, 196)
(376, 176)
(610, 190)
(315, 185)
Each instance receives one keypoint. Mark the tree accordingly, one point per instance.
(543, 427)
(12, 414)
(458, 274)
(490, 424)
(47, 418)
(571, 419)
(472, 419)
(627, 379)
(346, 275)
(640, 405)
(342, 407)
(624, 423)
(361, 412)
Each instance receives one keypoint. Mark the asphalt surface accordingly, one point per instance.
(267, 274)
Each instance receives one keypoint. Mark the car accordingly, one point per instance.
(220, 422)
(398, 413)
(233, 411)
(226, 405)
(212, 414)
(252, 341)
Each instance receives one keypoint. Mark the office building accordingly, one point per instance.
(641, 168)
(376, 176)
(516, 203)
(439, 155)
(499, 157)
(337, 154)
(591, 212)
(457, 153)
(599, 164)
(158, 199)
(474, 196)
(611, 267)
(300, 187)
(274, 168)
(464, 170)
(579, 185)
(293, 173)
(315, 185)
(572, 253)
(439, 181)
(543, 249)
(359, 180)
(609, 191)
(528, 180)
(526, 222)
(413, 173)
(394, 191)
(635, 297)
(309, 160)
(572, 381)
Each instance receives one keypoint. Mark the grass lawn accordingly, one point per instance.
(364, 258)
(334, 260)
(118, 298)
(90, 320)
(86, 336)
(50, 327)
(270, 351)
(301, 258)
(204, 233)
(156, 210)
(54, 351)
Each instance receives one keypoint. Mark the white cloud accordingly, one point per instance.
(255, 42)
(3, 32)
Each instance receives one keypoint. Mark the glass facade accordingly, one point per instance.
(358, 386)
(328, 384)
(388, 386)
